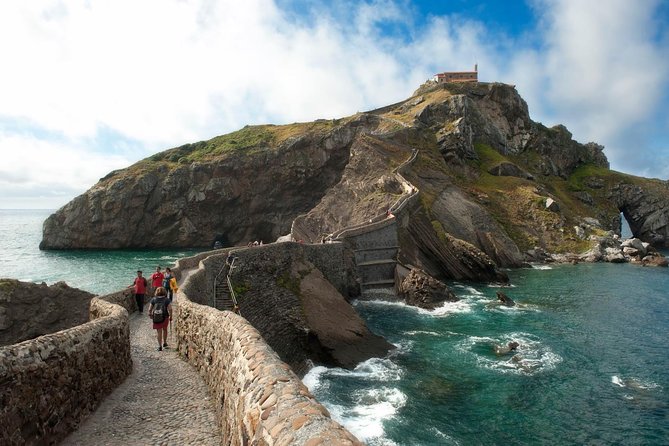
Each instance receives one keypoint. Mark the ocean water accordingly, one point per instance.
(592, 366)
(96, 271)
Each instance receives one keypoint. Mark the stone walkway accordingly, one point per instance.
(164, 401)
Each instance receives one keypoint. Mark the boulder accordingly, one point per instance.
(655, 261)
(592, 222)
(580, 232)
(506, 300)
(634, 243)
(631, 252)
(552, 205)
(422, 290)
(614, 255)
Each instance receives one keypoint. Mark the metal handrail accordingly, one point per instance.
(396, 207)
(213, 294)
(232, 291)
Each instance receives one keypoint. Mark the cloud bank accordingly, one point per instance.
(89, 87)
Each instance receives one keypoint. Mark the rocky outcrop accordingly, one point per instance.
(443, 256)
(505, 300)
(420, 290)
(610, 248)
(235, 197)
(300, 312)
(28, 310)
(646, 209)
(505, 169)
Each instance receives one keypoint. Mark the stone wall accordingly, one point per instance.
(49, 384)
(259, 400)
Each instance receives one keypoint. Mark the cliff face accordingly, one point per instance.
(492, 185)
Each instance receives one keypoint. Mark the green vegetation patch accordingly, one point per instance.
(240, 289)
(488, 157)
(7, 285)
(290, 283)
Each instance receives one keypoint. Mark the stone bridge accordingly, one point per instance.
(232, 389)
(69, 386)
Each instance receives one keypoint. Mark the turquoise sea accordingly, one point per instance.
(592, 367)
(96, 271)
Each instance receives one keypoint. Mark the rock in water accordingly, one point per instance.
(506, 300)
(421, 290)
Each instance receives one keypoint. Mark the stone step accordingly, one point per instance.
(379, 283)
(375, 254)
(377, 262)
(377, 248)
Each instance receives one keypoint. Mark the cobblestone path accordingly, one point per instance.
(164, 401)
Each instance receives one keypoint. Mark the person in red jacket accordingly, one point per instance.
(157, 279)
(139, 286)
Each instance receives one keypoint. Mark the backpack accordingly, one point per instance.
(160, 310)
(166, 282)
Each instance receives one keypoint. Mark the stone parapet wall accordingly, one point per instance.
(259, 400)
(49, 384)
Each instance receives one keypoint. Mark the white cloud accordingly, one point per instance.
(41, 174)
(604, 73)
(166, 72)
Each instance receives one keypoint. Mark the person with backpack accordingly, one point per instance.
(160, 312)
(139, 288)
(170, 284)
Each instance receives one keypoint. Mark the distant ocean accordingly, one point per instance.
(592, 367)
(97, 271)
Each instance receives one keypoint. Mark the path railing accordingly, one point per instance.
(397, 207)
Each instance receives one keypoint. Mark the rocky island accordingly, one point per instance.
(495, 189)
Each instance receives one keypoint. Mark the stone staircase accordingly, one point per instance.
(375, 243)
(224, 298)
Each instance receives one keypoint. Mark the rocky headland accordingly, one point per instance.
(494, 187)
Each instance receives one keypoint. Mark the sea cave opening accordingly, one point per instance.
(625, 229)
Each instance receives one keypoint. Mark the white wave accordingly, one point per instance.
(373, 407)
(404, 346)
(540, 266)
(617, 381)
(378, 369)
(313, 378)
(518, 308)
(530, 357)
(447, 308)
(469, 289)
(461, 306)
(374, 369)
(440, 434)
(421, 332)
(635, 383)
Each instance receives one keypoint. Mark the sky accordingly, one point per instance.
(89, 86)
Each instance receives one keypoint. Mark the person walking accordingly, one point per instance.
(139, 288)
(170, 284)
(157, 279)
(160, 312)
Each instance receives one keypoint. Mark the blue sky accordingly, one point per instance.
(88, 86)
